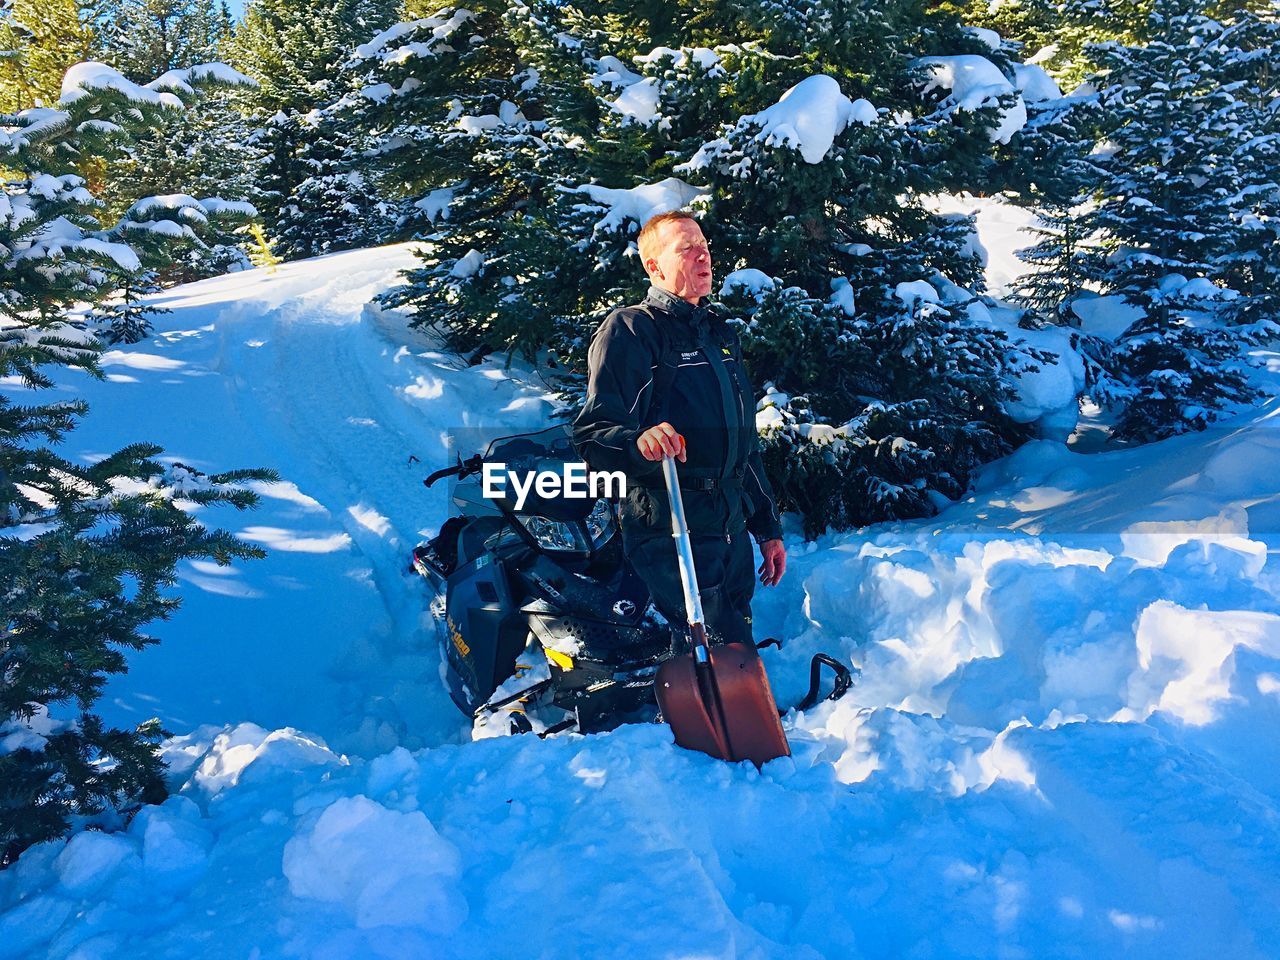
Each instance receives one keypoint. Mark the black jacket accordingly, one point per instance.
(666, 359)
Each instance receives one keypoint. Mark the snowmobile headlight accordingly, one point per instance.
(600, 522)
(554, 535)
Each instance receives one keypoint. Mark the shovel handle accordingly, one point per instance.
(684, 553)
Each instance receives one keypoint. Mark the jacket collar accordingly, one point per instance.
(698, 315)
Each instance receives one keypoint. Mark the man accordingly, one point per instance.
(666, 377)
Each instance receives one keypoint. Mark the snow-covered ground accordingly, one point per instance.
(1065, 741)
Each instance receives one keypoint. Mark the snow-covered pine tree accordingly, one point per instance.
(180, 238)
(892, 373)
(145, 38)
(1050, 167)
(1179, 142)
(84, 566)
(295, 50)
(483, 177)
(337, 205)
(126, 318)
(197, 152)
(200, 152)
(1251, 262)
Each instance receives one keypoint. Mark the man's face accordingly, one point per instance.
(682, 264)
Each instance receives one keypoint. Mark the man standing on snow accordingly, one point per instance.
(666, 376)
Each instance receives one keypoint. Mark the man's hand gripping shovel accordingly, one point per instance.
(716, 699)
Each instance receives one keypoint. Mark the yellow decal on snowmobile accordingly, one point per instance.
(456, 636)
(562, 660)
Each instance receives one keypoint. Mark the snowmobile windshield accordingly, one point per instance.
(546, 451)
(557, 523)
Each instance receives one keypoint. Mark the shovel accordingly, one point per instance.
(716, 699)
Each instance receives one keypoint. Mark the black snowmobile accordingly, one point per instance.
(542, 624)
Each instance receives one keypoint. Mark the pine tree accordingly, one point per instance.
(1051, 168)
(180, 239)
(126, 318)
(84, 567)
(261, 254)
(337, 205)
(1251, 262)
(40, 40)
(294, 49)
(484, 175)
(144, 38)
(200, 152)
(1182, 145)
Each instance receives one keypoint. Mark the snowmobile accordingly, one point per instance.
(543, 626)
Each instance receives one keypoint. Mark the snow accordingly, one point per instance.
(642, 202)
(1064, 740)
(1045, 392)
(60, 235)
(842, 295)
(507, 114)
(1034, 84)
(436, 203)
(468, 265)
(182, 80)
(750, 280)
(32, 733)
(611, 70)
(186, 207)
(639, 97)
(240, 208)
(808, 118)
(707, 59)
(89, 75)
(989, 38)
(384, 46)
(1003, 228)
(382, 866)
(916, 292)
(639, 103)
(33, 124)
(1105, 316)
(975, 82)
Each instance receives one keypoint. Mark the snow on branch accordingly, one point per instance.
(638, 203)
(214, 74)
(385, 45)
(807, 118)
(975, 82)
(83, 78)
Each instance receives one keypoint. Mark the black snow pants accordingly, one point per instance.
(725, 566)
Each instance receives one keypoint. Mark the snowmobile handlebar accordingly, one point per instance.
(844, 680)
(464, 468)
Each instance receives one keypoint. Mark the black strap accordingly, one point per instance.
(709, 483)
(730, 403)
